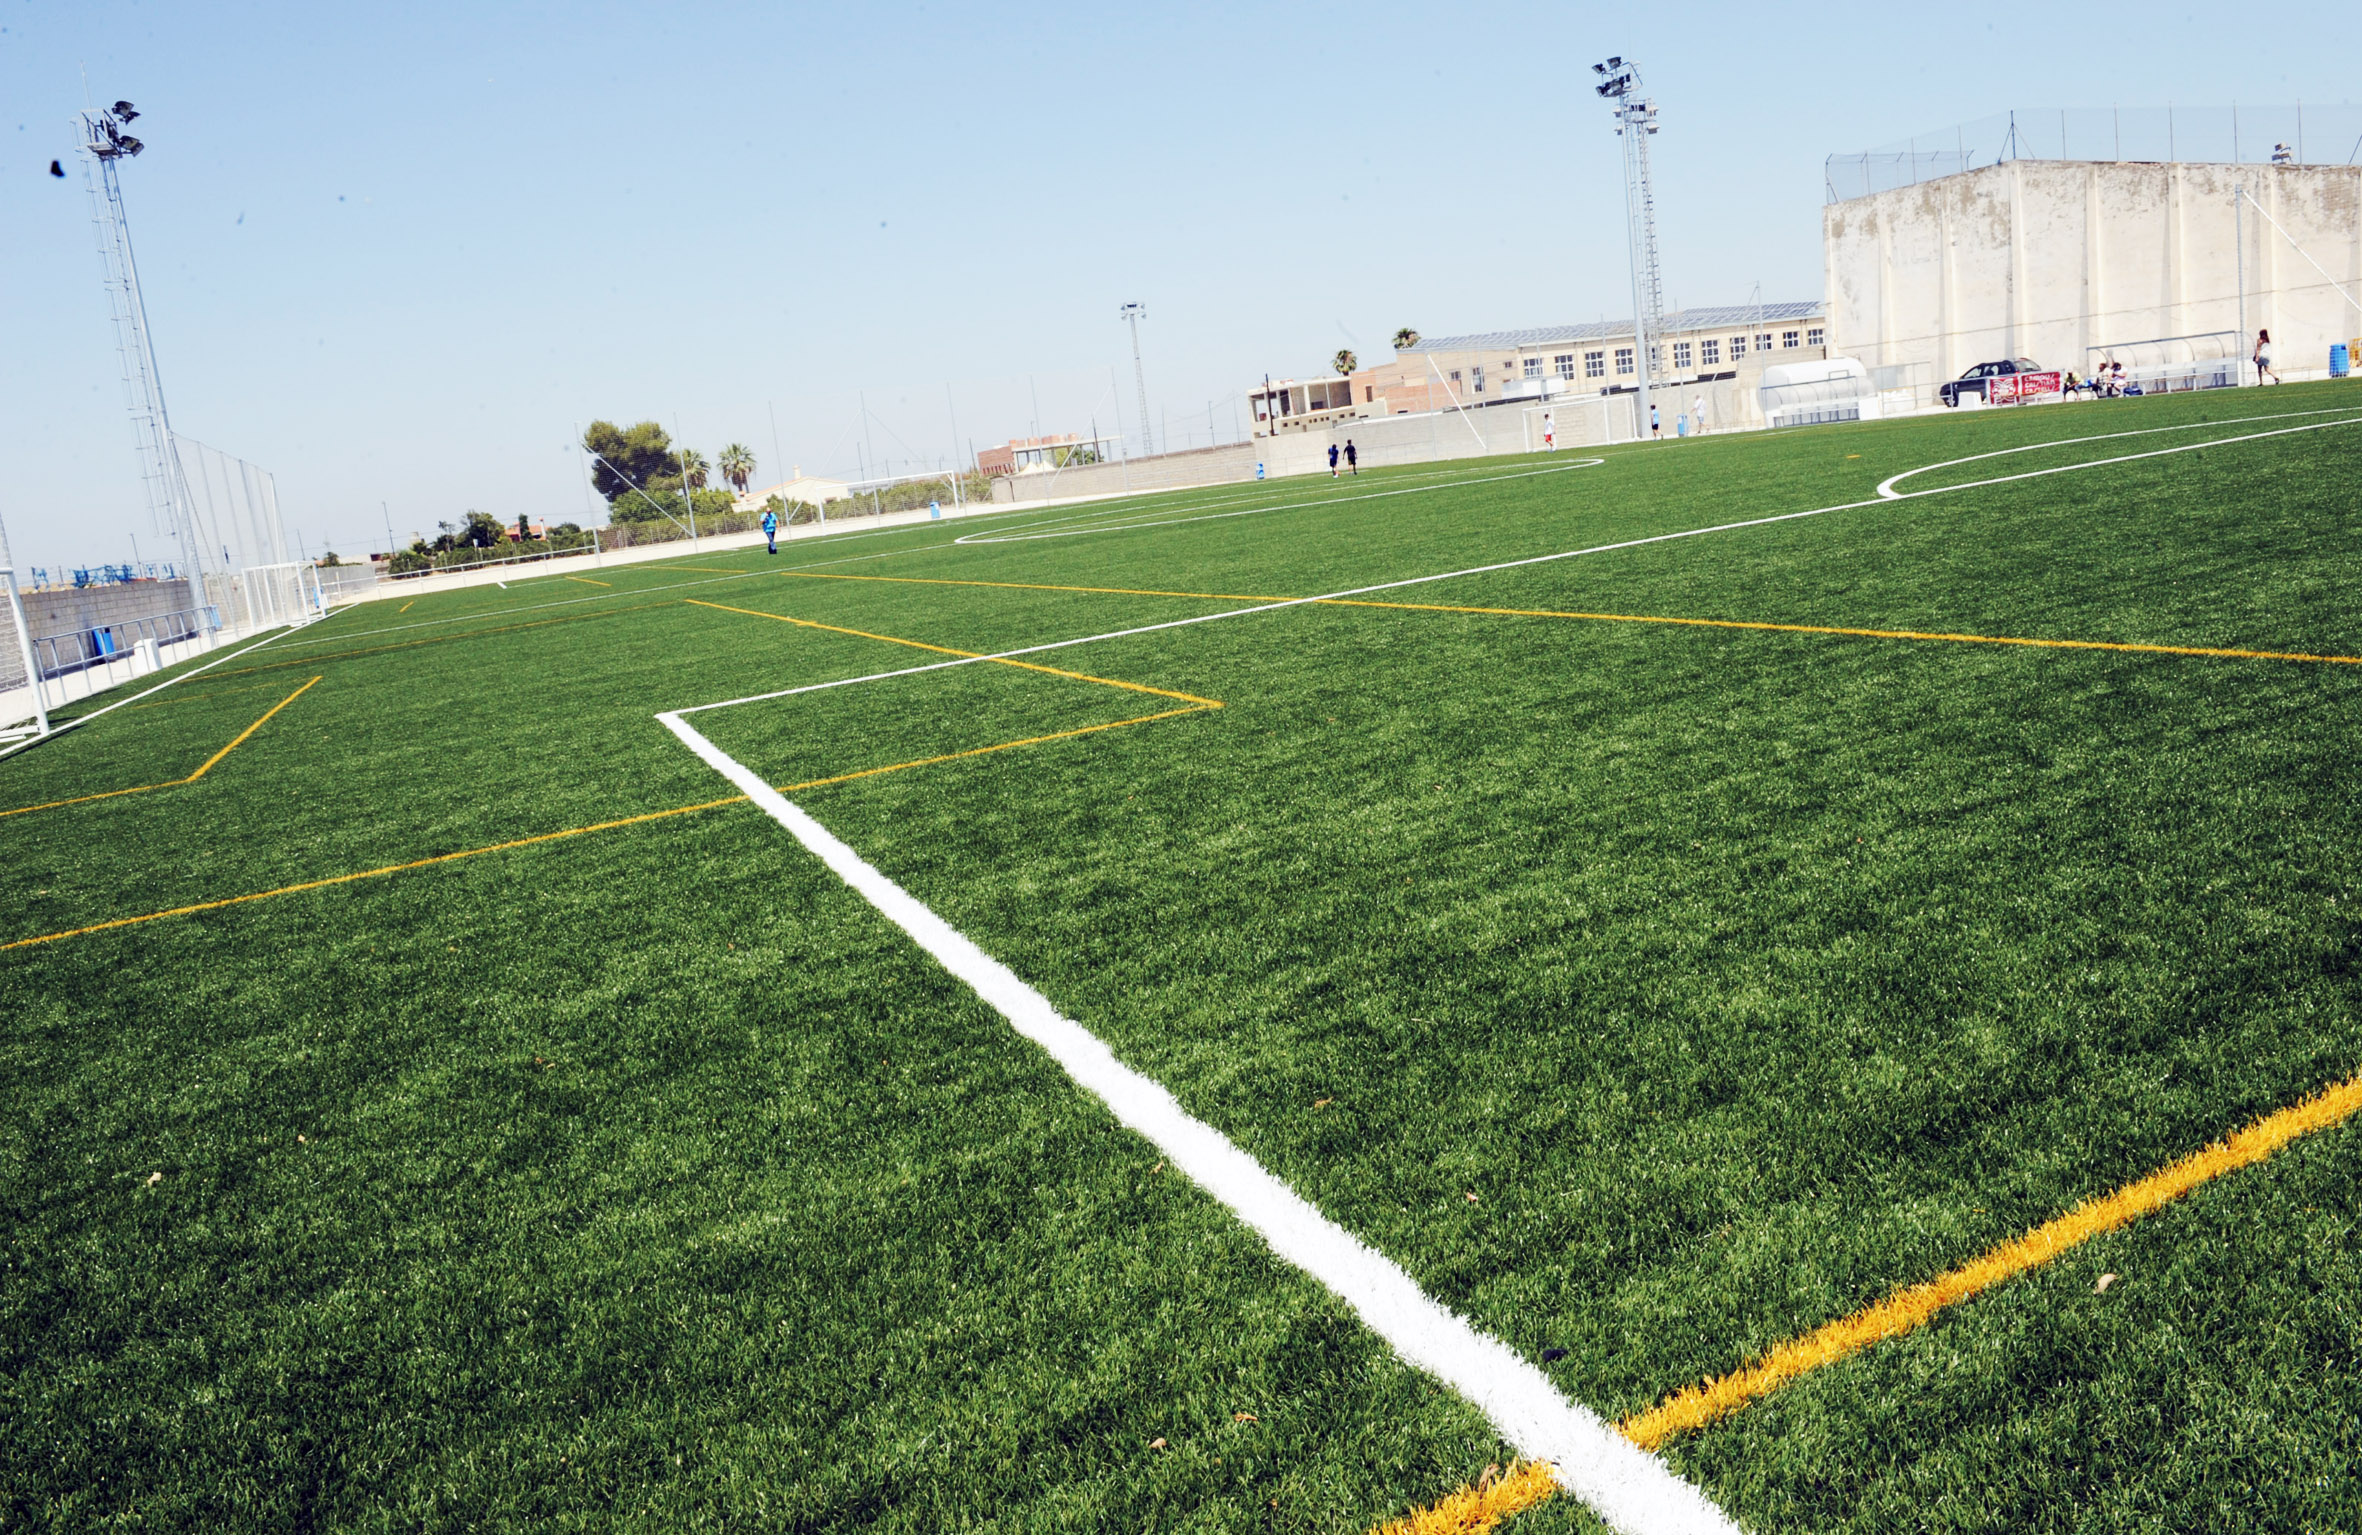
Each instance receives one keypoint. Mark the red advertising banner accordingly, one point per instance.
(2013, 387)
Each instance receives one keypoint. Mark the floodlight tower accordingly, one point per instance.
(1133, 314)
(104, 144)
(1636, 123)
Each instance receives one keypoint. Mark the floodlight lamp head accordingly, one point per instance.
(1614, 61)
(124, 111)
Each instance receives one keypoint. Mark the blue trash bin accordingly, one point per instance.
(2341, 361)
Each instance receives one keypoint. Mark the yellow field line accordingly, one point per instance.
(171, 783)
(579, 831)
(1907, 1309)
(1027, 586)
(406, 607)
(1636, 618)
(1872, 634)
(439, 639)
(722, 570)
(346, 879)
(587, 581)
(1696, 1406)
(973, 655)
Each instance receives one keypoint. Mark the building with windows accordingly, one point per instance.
(1722, 350)
(1040, 455)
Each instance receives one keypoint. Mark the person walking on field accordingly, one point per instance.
(1352, 459)
(1332, 460)
(1656, 428)
(1549, 433)
(2263, 358)
(771, 529)
(1697, 415)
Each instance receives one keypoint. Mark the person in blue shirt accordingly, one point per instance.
(771, 529)
(1332, 460)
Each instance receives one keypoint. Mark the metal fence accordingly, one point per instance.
(234, 508)
(2295, 135)
(116, 644)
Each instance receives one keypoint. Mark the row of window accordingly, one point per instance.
(1706, 354)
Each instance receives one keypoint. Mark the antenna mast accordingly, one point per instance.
(1636, 124)
(104, 143)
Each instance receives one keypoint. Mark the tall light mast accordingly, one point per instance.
(104, 144)
(1636, 123)
(1133, 314)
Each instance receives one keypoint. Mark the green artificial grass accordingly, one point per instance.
(648, 1179)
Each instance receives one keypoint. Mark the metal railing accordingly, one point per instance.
(113, 644)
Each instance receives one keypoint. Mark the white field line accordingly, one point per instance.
(1124, 522)
(1111, 519)
(1886, 487)
(1885, 497)
(1631, 1489)
(657, 567)
(174, 681)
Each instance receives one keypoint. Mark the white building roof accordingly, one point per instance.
(1717, 317)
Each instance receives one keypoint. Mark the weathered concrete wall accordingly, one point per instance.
(2046, 258)
(69, 611)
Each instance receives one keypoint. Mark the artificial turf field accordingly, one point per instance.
(1652, 992)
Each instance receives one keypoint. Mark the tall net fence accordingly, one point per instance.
(234, 508)
(2298, 135)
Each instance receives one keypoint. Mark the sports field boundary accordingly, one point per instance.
(1631, 1489)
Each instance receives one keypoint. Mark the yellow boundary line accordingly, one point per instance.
(1870, 634)
(170, 783)
(587, 581)
(406, 607)
(1194, 705)
(322, 657)
(973, 655)
(1634, 618)
(1907, 1309)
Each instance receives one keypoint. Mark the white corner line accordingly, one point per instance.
(1631, 1489)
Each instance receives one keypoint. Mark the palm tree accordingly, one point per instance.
(1345, 361)
(693, 469)
(737, 462)
(1405, 339)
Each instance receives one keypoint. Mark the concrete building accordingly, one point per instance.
(2067, 262)
(1040, 455)
(1716, 353)
(799, 486)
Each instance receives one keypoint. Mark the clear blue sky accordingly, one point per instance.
(400, 254)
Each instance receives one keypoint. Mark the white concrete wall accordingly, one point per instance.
(2046, 258)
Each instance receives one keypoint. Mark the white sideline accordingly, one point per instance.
(1631, 1489)
(172, 681)
(1124, 522)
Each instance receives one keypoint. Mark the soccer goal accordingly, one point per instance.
(264, 596)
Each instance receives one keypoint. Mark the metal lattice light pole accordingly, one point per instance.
(104, 143)
(1133, 314)
(1636, 123)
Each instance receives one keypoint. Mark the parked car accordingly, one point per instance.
(1973, 381)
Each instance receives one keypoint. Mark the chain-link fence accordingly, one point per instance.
(2260, 135)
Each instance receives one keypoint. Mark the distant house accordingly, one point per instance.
(799, 486)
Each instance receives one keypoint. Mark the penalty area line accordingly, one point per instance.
(1631, 1489)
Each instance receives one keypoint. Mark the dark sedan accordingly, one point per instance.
(1974, 381)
